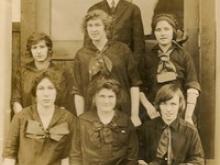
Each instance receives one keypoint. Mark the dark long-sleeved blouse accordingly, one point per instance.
(186, 144)
(185, 69)
(24, 81)
(123, 70)
(99, 144)
(127, 26)
(30, 144)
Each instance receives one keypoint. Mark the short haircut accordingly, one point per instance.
(166, 93)
(36, 37)
(98, 14)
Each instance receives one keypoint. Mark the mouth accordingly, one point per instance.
(46, 100)
(39, 56)
(163, 38)
(169, 115)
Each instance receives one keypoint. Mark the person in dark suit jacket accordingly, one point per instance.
(127, 25)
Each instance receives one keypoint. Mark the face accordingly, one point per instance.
(105, 100)
(96, 29)
(45, 93)
(39, 51)
(169, 109)
(164, 33)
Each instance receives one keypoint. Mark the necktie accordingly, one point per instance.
(165, 146)
(113, 7)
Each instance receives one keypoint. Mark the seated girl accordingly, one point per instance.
(106, 135)
(168, 139)
(41, 133)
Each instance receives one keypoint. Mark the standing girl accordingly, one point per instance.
(106, 58)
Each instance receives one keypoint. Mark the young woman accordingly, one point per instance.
(127, 26)
(106, 135)
(166, 63)
(106, 58)
(39, 48)
(41, 133)
(168, 139)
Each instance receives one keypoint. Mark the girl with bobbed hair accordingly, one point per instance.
(40, 49)
(168, 62)
(106, 135)
(105, 58)
(41, 133)
(168, 139)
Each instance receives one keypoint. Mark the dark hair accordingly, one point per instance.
(105, 83)
(166, 93)
(34, 38)
(171, 19)
(98, 14)
(46, 75)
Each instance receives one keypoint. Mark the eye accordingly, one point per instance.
(167, 28)
(157, 30)
(173, 104)
(42, 46)
(51, 87)
(33, 47)
(111, 97)
(162, 103)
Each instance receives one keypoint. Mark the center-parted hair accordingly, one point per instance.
(98, 14)
(46, 75)
(36, 37)
(166, 93)
(105, 83)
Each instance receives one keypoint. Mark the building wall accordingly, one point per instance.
(217, 106)
(5, 67)
(208, 63)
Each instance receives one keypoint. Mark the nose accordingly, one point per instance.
(106, 100)
(93, 28)
(45, 93)
(168, 108)
(162, 32)
(38, 50)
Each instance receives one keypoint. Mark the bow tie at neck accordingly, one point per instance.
(164, 56)
(166, 70)
(34, 130)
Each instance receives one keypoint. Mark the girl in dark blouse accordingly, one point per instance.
(40, 134)
(40, 49)
(168, 139)
(106, 135)
(105, 58)
(167, 62)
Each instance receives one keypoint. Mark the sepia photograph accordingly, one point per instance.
(109, 82)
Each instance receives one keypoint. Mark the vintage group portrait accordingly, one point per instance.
(112, 82)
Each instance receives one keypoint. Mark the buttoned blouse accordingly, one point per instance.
(123, 69)
(185, 70)
(110, 144)
(30, 144)
(185, 140)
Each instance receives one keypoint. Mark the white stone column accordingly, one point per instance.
(217, 112)
(5, 67)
